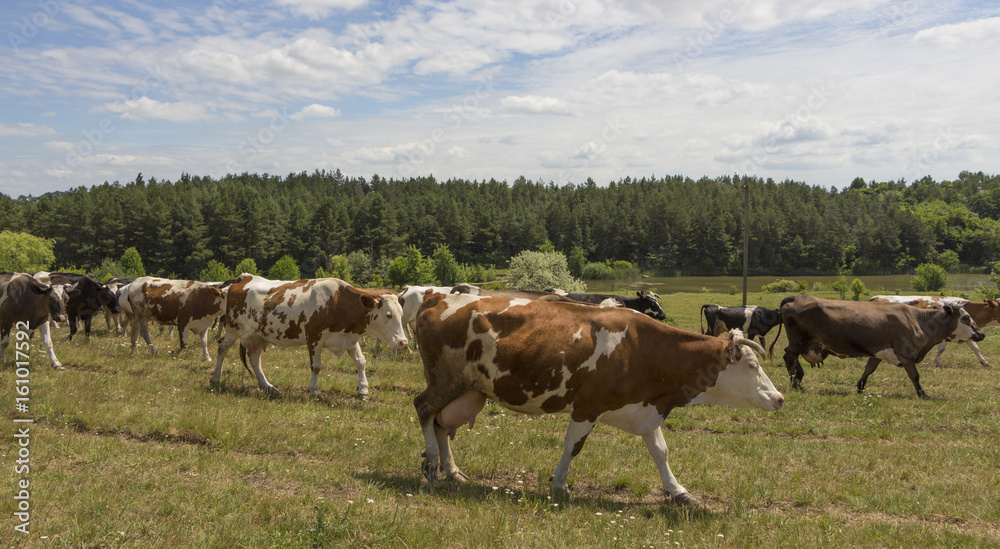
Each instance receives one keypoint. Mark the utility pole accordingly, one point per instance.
(746, 235)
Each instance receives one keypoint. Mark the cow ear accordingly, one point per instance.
(368, 301)
(40, 289)
(73, 289)
(949, 309)
(402, 301)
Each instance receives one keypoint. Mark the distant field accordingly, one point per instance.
(139, 451)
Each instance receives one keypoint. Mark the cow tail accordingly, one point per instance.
(243, 358)
(700, 317)
(770, 351)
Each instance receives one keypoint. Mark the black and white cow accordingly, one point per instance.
(645, 302)
(754, 321)
(92, 297)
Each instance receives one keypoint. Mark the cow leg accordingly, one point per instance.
(204, 344)
(316, 364)
(182, 332)
(576, 435)
(873, 363)
(430, 405)
(254, 351)
(911, 370)
(47, 342)
(940, 351)
(86, 325)
(224, 345)
(4, 341)
(979, 355)
(359, 361)
(657, 447)
(72, 327)
(795, 371)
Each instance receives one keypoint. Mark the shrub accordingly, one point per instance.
(339, 268)
(447, 271)
(25, 253)
(597, 271)
(930, 278)
(131, 263)
(841, 287)
(284, 269)
(780, 286)
(248, 266)
(858, 288)
(537, 271)
(215, 271)
(411, 268)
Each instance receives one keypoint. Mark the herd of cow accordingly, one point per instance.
(597, 358)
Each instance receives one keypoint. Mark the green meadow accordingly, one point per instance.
(132, 450)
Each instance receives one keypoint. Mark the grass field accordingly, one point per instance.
(139, 451)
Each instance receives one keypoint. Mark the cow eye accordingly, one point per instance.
(388, 314)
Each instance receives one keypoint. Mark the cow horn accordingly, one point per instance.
(752, 344)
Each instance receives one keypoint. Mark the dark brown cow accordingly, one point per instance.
(894, 332)
(611, 365)
(27, 303)
(187, 304)
(318, 313)
(983, 314)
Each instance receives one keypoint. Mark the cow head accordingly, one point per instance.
(56, 304)
(966, 329)
(385, 319)
(742, 383)
(106, 297)
(650, 305)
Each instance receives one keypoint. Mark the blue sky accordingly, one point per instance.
(554, 90)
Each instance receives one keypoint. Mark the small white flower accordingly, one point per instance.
(371, 500)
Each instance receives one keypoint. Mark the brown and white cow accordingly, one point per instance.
(984, 314)
(325, 313)
(188, 304)
(895, 332)
(23, 299)
(609, 365)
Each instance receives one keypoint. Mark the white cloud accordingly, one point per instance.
(316, 9)
(533, 104)
(145, 108)
(315, 111)
(979, 33)
(25, 129)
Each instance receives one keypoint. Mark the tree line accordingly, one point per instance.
(672, 225)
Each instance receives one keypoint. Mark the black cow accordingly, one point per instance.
(92, 297)
(25, 299)
(754, 321)
(644, 302)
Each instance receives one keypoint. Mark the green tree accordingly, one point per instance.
(576, 260)
(531, 270)
(411, 268)
(841, 287)
(248, 266)
(284, 269)
(858, 288)
(339, 267)
(215, 271)
(930, 278)
(446, 270)
(131, 263)
(25, 253)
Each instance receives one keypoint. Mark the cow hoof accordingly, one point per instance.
(58, 367)
(685, 498)
(987, 365)
(560, 494)
(458, 476)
